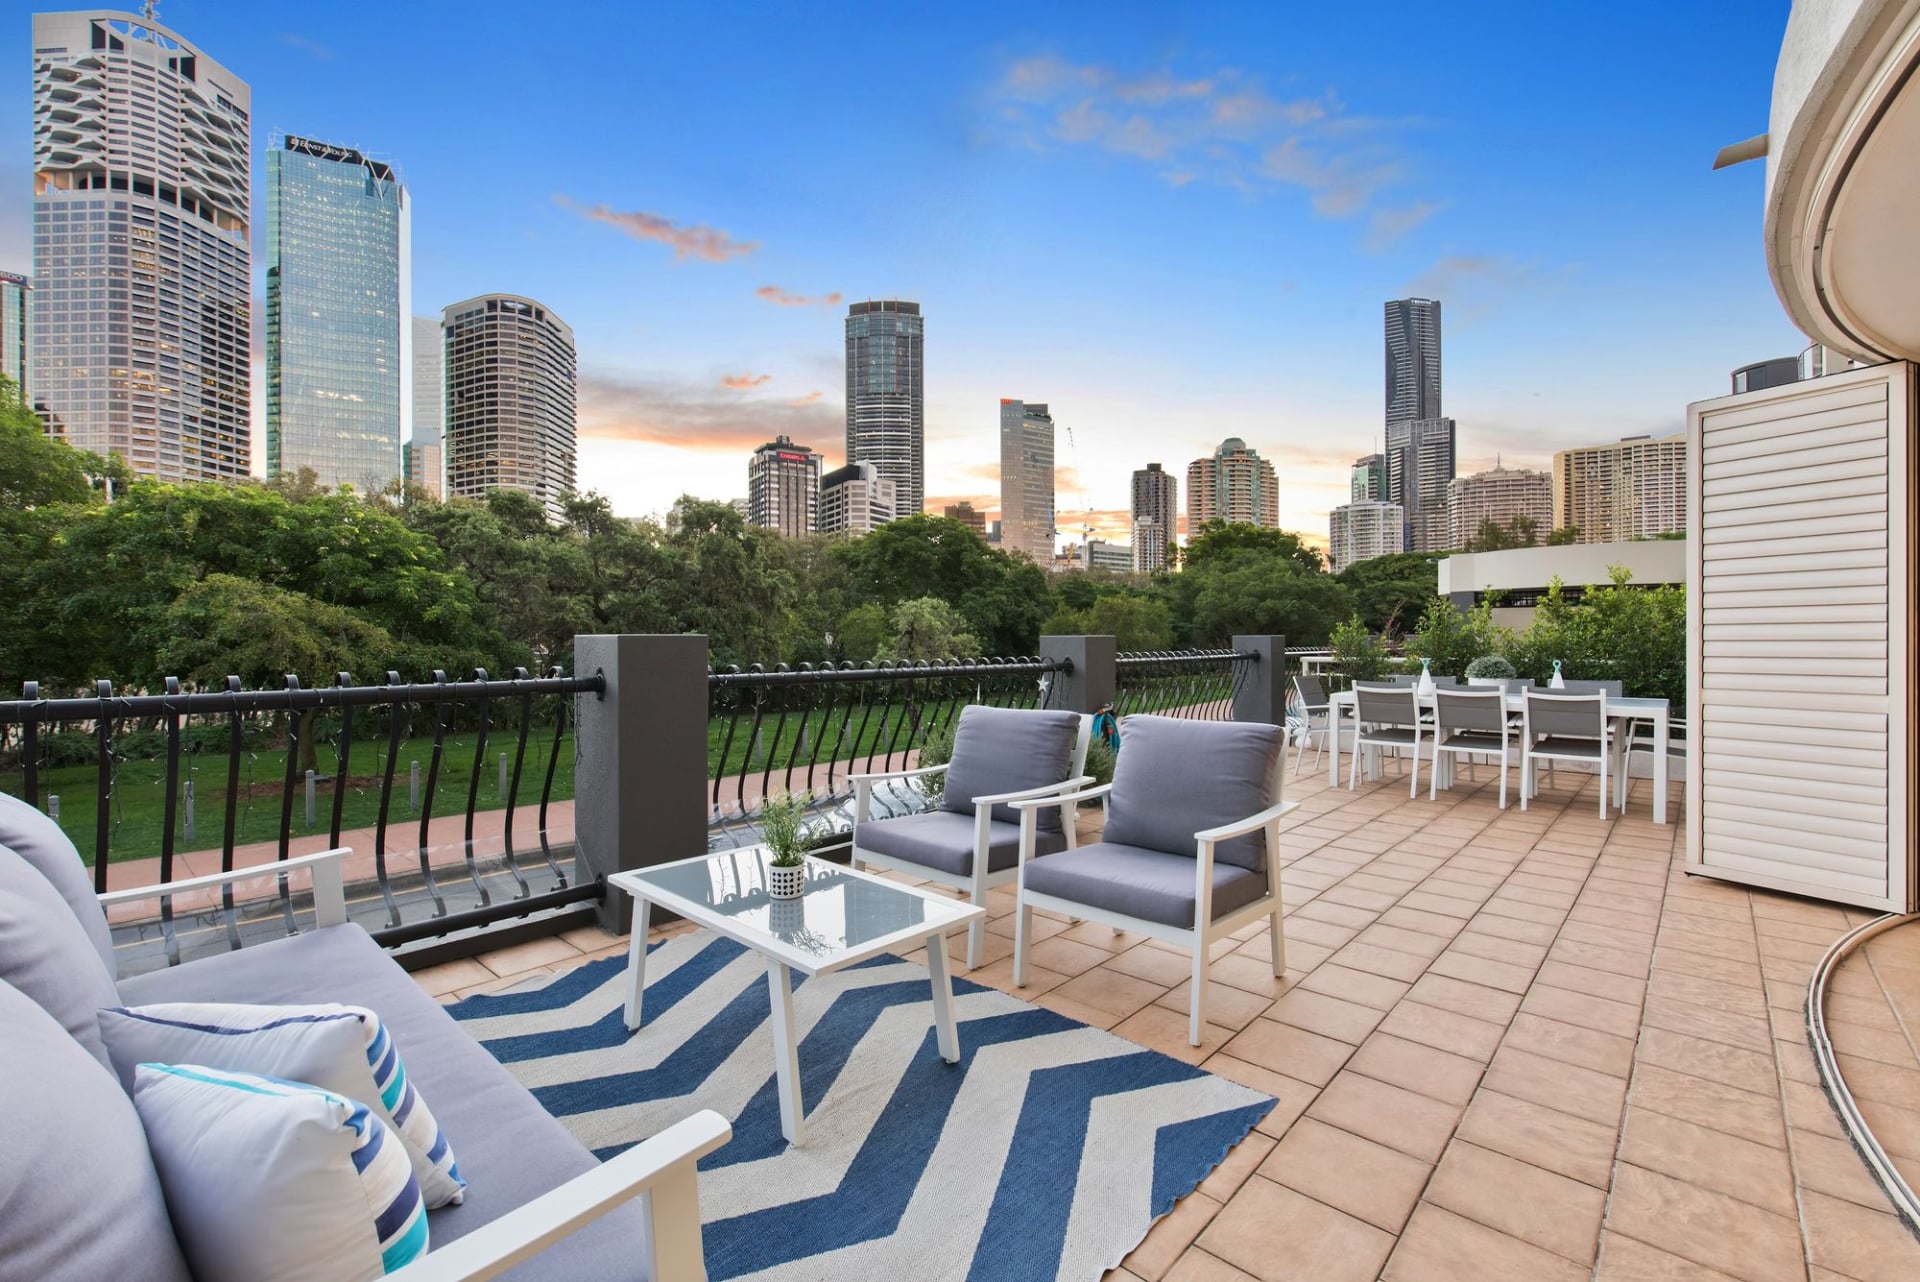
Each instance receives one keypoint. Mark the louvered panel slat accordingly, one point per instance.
(1791, 761)
(1863, 845)
(1840, 427)
(1807, 580)
(1764, 497)
(1778, 418)
(1813, 560)
(1755, 795)
(1867, 614)
(1797, 635)
(1811, 873)
(1792, 460)
(1827, 534)
(1837, 658)
(1777, 484)
(1721, 521)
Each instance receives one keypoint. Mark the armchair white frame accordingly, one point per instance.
(981, 878)
(662, 1170)
(1199, 938)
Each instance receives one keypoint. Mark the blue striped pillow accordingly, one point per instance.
(275, 1181)
(345, 1049)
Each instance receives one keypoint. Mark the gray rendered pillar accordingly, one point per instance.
(640, 788)
(1091, 683)
(1263, 693)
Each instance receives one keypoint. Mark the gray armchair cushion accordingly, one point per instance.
(79, 1200)
(46, 954)
(999, 750)
(943, 839)
(39, 840)
(1175, 777)
(511, 1150)
(1149, 884)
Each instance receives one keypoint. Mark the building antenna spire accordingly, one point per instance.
(147, 9)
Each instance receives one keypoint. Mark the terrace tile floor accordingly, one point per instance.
(1509, 1045)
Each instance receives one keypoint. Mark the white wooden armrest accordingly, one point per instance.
(329, 891)
(1046, 790)
(660, 1170)
(1048, 802)
(1242, 827)
(896, 774)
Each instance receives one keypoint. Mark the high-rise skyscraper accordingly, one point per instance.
(1368, 479)
(511, 399)
(1234, 485)
(1420, 467)
(1026, 480)
(16, 297)
(1500, 496)
(854, 499)
(339, 314)
(1156, 513)
(783, 487)
(968, 515)
(886, 397)
(141, 270)
(426, 453)
(1631, 489)
(1413, 359)
(1363, 529)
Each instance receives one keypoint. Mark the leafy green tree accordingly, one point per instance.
(1450, 639)
(1219, 541)
(37, 470)
(863, 633)
(1005, 598)
(1521, 532)
(1358, 654)
(726, 581)
(928, 628)
(1391, 591)
(1135, 621)
(1265, 594)
(1565, 536)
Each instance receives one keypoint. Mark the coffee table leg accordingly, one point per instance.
(637, 963)
(786, 1050)
(946, 1036)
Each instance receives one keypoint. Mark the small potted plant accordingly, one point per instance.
(782, 830)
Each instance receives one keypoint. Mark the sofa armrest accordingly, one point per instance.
(329, 890)
(1048, 802)
(660, 1170)
(896, 774)
(1046, 791)
(1242, 827)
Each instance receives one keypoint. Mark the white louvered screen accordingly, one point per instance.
(1801, 640)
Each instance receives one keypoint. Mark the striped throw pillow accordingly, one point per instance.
(345, 1049)
(275, 1181)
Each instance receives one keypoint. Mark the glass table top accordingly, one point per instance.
(841, 910)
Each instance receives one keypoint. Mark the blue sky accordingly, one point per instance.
(1172, 224)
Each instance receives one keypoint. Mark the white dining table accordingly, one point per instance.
(1619, 711)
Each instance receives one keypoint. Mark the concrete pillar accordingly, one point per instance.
(640, 790)
(1091, 683)
(1262, 695)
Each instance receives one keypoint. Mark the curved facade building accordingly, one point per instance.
(1234, 485)
(511, 399)
(142, 276)
(886, 395)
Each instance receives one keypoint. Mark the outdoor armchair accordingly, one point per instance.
(1315, 720)
(971, 840)
(1190, 851)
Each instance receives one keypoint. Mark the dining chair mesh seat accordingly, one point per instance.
(1612, 689)
(1476, 716)
(1558, 715)
(1567, 745)
(1389, 713)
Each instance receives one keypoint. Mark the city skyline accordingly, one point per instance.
(1187, 302)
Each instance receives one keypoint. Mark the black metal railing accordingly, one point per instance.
(1198, 684)
(116, 751)
(806, 729)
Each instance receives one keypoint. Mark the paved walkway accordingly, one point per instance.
(1509, 1046)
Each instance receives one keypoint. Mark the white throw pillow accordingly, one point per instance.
(343, 1049)
(272, 1181)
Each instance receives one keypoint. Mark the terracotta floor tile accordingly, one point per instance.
(1717, 994)
(1735, 1028)
(1416, 943)
(1439, 925)
(524, 957)
(1355, 919)
(1255, 975)
(1293, 1051)
(1482, 970)
(1476, 1001)
(1541, 1136)
(1155, 965)
(1602, 1052)
(1170, 1235)
(1106, 989)
(452, 976)
(1832, 1167)
(1096, 935)
(1443, 1030)
(1092, 1015)
(1440, 1246)
(1065, 955)
(1421, 1069)
(1583, 1011)
(1618, 961)
(1872, 1246)
(1240, 1162)
(1279, 1235)
(1706, 1103)
(1583, 1092)
(1376, 960)
(1539, 1207)
(1292, 1094)
(1754, 1173)
(1715, 1061)
(1624, 1260)
(1366, 1180)
(1351, 985)
(1500, 939)
(1705, 1227)
(1000, 975)
(1163, 1030)
(1197, 1266)
(1227, 1006)
(1863, 1041)
(1344, 1021)
(1400, 1119)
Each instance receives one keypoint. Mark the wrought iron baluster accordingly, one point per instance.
(473, 785)
(546, 789)
(773, 748)
(169, 813)
(286, 804)
(440, 711)
(386, 802)
(236, 744)
(860, 739)
(103, 764)
(521, 889)
(343, 757)
(30, 746)
(732, 718)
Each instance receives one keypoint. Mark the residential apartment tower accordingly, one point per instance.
(1631, 489)
(1156, 516)
(886, 401)
(1026, 480)
(511, 399)
(1234, 485)
(783, 488)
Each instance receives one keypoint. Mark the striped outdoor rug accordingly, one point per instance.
(1047, 1151)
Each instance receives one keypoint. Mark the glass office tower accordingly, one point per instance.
(339, 327)
(886, 398)
(15, 298)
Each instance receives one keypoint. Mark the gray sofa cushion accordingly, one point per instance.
(1149, 884)
(1175, 777)
(511, 1150)
(943, 839)
(79, 1200)
(46, 954)
(999, 750)
(39, 840)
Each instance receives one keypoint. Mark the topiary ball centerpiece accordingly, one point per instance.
(1491, 667)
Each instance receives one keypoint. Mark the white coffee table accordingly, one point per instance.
(844, 917)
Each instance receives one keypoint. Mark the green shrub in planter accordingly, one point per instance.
(1491, 666)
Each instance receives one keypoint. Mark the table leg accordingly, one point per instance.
(786, 1050)
(946, 1035)
(1660, 734)
(1333, 746)
(637, 963)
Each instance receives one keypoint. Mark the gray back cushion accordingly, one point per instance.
(38, 840)
(999, 750)
(47, 956)
(79, 1200)
(1175, 777)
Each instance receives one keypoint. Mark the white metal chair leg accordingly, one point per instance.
(1022, 929)
(1278, 940)
(1526, 778)
(1413, 771)
(976, 936)
(1197, 1005)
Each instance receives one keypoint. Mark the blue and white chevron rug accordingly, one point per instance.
(1048, 1151)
